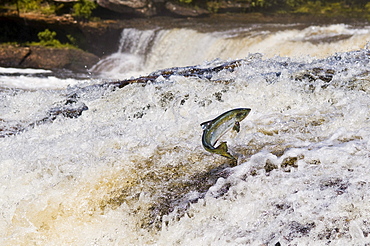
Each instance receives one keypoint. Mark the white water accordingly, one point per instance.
(108, 176)
(142, 52)
(24, 78)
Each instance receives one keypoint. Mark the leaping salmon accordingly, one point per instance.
(216, 128)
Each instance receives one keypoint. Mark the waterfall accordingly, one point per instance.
(143, 51)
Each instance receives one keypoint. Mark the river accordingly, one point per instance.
(83, 163)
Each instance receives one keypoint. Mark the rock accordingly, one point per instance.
(229, 6)
(184, 11)
(11, 56)
(46, 58)
(100, 38)
(136, 7)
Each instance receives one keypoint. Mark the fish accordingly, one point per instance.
(214, 129)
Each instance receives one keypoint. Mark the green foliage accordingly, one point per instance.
(48, 38)
(95, 18)
(83, 9)
(260, 3)
(29, 5)
(186, 1)
(329, 8)
(50, 8)
(294, 3)
(213, 6)
(39, 6)
(72, 40)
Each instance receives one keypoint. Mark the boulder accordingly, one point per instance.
(136, 7)
(11, 56)
(46, 58)
(183, 11)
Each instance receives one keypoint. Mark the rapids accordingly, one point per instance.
(144, 51)
(129, 169)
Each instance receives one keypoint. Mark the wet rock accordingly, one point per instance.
(9, 128)
(139, 7)
(68, 110)
(46, 58)
(335, 228)
(297, 230)
(180, 10)
(339, 185)
(12, 57)
(166, 99)
(269, 166)
(316, 74)
(288, 163)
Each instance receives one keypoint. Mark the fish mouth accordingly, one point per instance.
(243, 113)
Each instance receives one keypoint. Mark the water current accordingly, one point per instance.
(92, 161)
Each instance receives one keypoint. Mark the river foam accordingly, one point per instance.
(143, 51)
(131, 169)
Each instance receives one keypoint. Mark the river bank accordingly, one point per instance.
(46, 58)
(98, 39)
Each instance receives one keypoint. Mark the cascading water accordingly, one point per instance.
(134, 44)
(144, 51)
(121, 163)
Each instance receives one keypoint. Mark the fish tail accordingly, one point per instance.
(222, 149)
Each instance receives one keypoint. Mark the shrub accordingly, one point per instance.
(72, 40)
(47, 38)
(185, 1)
(29, 5)
(83, 9)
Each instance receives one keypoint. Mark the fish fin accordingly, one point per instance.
(206, 124)
(236, 126)
(222, 149)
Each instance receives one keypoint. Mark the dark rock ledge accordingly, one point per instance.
(94, 40)
(46, 58)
